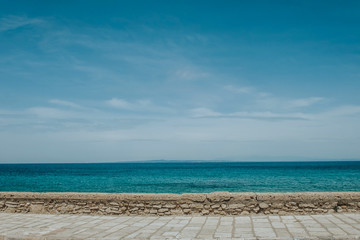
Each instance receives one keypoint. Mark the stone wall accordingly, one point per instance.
(216, 203)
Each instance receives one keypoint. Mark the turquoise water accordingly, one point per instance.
(182, 177)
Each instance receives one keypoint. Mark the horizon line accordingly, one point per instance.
(194, 161)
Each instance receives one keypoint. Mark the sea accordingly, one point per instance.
(182, 177)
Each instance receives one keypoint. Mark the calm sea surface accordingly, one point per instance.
(182, 177)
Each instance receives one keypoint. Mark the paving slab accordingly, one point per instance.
(50, 227)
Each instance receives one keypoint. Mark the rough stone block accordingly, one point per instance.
(219, 196)
(196, 197)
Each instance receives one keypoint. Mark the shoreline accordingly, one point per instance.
(165, 204)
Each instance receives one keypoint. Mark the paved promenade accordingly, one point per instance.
(37, 226)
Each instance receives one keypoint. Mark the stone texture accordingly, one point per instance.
(217, 203)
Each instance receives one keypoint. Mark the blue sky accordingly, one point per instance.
(99, 81)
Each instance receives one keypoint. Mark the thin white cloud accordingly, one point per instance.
(337, 112)
(270, 101)
(208, 113)
(304, 102)
(119, 103)
(278, 103)
(140, 105)
(342, 111)
(249, 91)
(13, 22)
(45, 112)
(64, 103)
(271, 115)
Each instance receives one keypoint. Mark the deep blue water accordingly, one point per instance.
(182, 177)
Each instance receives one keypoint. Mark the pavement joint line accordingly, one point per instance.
(286, 227)
(341, 218)
(202, 225)
(233, 227)
(75, 232)
(142, 227)
(356, 228)
(128, 226)
(252, 226)
(14, 227)
(25, 224)
(357, 220)
(217, 226)
(212, 219)
(163, 225)
(339, 225)
(301, 223)
(323, 226)
(113, 232)
(63, 220)
(272, 226)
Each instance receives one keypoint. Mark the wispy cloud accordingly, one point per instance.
(249, 90)
(140, 105)
(286, 104)
(64, 103)
(268, 100)
(336, 112)
(13, 22)
(123, 104)
(46, 112)
(346, 110)
(304, 102)
(208, 113)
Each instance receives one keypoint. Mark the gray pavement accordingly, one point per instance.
(38, 226)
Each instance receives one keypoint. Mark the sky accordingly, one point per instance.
(108, 81)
